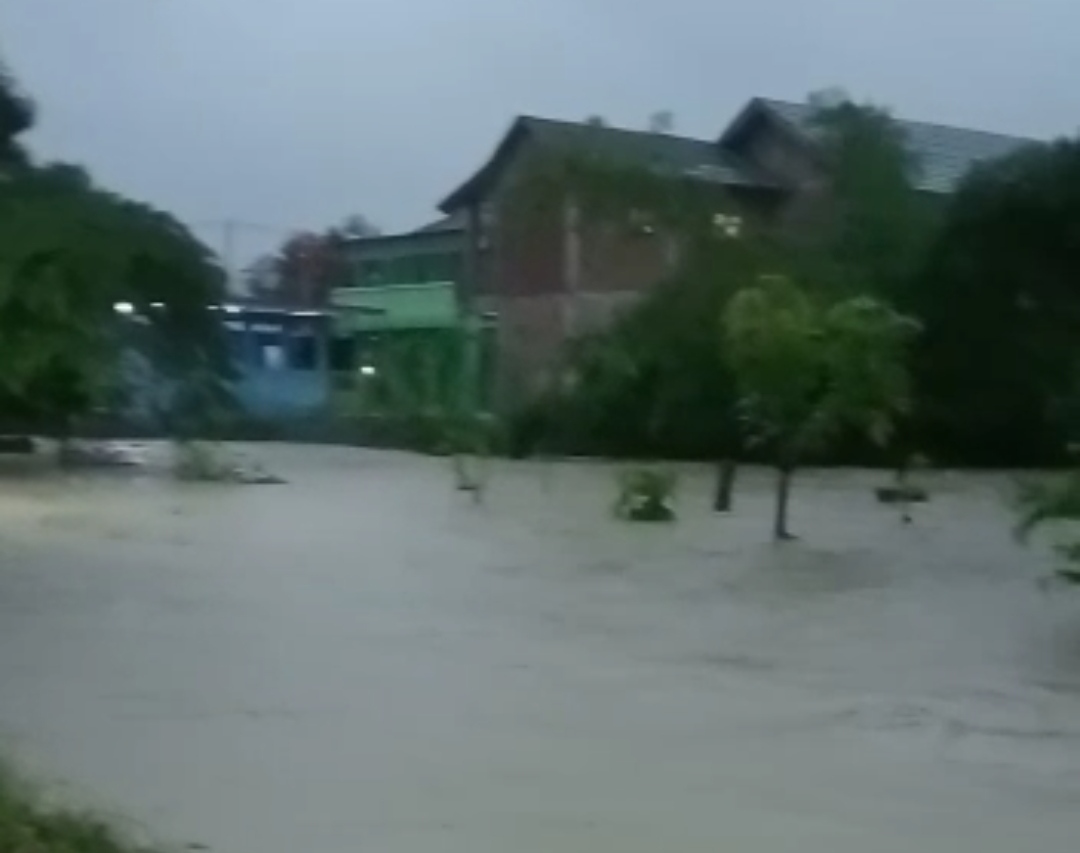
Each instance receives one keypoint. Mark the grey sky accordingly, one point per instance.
(293, 113)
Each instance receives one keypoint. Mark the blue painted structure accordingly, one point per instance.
(282, 359)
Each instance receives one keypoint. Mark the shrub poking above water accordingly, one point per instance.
(199, 461)
(1054, 501)
(646, 494)
(26, 826)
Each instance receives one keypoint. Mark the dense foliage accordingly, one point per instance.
(999, 372)
(69, 252)
(1054, 503)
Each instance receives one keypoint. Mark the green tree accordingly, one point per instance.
(69, 252)
(656, 381)
(1054, 502)
(999, 364)
(873, 227)
(16, 117)
(809, 372)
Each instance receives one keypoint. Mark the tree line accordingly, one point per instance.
(71, 254)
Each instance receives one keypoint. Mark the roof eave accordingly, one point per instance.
(753, 108)
(483, 177)
(760, 108)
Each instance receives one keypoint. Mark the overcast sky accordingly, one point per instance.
(294, 113)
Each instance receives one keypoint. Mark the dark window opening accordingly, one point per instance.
(372, 273)
(342, 353)
(303, 353)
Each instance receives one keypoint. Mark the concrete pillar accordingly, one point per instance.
(469, 287)
(571, 267)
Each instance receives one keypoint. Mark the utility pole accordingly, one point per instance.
(228, 255)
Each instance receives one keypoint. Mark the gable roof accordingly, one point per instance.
(675, 155)
(944, 154)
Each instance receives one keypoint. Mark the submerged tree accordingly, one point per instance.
(1054, 502)
(810, 372)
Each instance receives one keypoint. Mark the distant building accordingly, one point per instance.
(554, 279)
(403, 317)
(279, 356)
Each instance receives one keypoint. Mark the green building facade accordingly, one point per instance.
(407, 340)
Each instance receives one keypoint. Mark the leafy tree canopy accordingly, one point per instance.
(69, 252)
(873, 226)
(1000, 364)
(810, 372)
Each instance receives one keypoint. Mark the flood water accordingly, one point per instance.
(364, 660)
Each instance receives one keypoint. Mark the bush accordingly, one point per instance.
(1054, 501)
(199, 461)
(28, 827)
(645, 494)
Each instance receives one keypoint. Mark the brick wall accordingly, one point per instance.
(551, 276)
(617, 258)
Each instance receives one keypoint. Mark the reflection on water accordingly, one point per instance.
(362, 659)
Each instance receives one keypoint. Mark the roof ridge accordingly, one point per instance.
(615, 128)
(912, 121)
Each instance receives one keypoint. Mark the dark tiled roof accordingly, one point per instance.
(943, 154)
(673, 155)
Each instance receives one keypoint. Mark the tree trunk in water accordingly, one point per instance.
(725, 485)
(64, 453)
(783, 492)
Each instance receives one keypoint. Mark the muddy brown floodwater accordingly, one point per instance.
(363, 660)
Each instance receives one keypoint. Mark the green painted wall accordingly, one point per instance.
(404, 320)
(424, 354)
(417, 257)
(394, 307)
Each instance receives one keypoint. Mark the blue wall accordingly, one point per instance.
(282, 359)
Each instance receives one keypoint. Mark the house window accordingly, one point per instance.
(401, 270)
(372, 273)
(269, 348)
(303, 352)
(272, 356)
(441, 267)
(421, 269)
(341, 353)
(485, 217)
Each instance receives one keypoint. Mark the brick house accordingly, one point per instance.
(563, 276)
